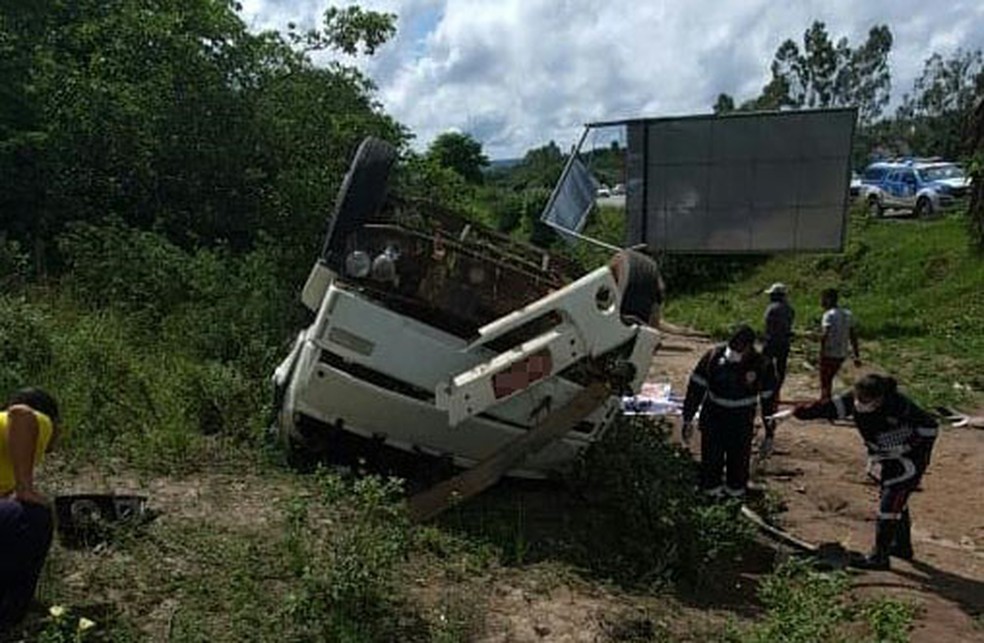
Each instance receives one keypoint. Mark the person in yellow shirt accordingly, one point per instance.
(28, 428)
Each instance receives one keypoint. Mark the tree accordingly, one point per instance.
(172, 116)
(939, 109)
(345, 30)
(828, 74)
(461, 153)
(724, 104)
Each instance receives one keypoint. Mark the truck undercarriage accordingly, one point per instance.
(438, 337)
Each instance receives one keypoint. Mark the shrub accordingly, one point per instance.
(114, 265)
(25, 346)
(806, 605)
(14, 264)
(645, 522)
(346, 564)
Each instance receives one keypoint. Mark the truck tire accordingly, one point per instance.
(362, 193)
(875, 209)
(639, 283)
(924, 208)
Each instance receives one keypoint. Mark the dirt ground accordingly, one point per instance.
(819, 470)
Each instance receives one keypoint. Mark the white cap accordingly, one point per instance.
(776, 288)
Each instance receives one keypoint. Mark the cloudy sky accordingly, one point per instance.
(516, 74)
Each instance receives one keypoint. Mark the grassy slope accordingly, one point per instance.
(915, 288)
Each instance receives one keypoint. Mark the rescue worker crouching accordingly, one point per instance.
(900, 436)
(727, 385)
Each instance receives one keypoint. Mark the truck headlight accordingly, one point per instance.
(358, 264)
(384, 265)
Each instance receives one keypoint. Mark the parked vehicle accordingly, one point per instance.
(856, 185)
(919, 186)
(437, 337)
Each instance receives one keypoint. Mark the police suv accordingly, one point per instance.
(921, 186)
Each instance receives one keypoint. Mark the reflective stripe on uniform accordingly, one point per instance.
(715, 492)
(732, 404)
(909, 472)
(697, 379)
(734, 493)
(765, 395)
(927, 431)
(889, 516)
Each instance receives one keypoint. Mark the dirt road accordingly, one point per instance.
(819, 470)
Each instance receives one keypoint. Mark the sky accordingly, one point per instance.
(516, 74)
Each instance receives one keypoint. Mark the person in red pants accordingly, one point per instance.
(28, 427)
(900, 436)
(839, 334)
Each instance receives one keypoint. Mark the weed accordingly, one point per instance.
(344, 561)
(801, 604)
(805, 605)
(889, 619)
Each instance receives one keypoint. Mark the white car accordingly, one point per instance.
(437, 337)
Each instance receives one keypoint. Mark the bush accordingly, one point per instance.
(239, 308)
(804, 605)
(346, 565)
(646, 523)
(114, 265)
(14, 264)
(25, 347)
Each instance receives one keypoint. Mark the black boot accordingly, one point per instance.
(878, 558)
(902, 545)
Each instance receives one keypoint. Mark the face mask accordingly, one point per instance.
(866, 407)
(731, 355)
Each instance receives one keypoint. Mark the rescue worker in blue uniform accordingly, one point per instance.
(727, 385)
(899, 435)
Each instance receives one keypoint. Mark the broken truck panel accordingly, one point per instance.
(435, 335)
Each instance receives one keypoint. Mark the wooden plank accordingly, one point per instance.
(431, 502)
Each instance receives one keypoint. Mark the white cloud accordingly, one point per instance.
(516, 74)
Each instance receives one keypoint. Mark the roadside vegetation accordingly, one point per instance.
(913, 286)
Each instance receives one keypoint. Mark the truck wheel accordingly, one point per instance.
(362, 192)
(875, 209)
(639, 283)
(924, 208)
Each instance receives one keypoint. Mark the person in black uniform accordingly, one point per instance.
(727, 385)
(900, 436)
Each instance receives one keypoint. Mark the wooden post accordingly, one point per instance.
(431, 502)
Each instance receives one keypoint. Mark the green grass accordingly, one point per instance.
(333, 565)
(803, 605)
(915, 288)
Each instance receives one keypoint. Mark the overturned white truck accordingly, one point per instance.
(436, 336)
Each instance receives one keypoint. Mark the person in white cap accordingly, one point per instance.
(779, 316)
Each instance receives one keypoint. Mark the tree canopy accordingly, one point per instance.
(823, 73)
(461, 153)
(172, 116)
